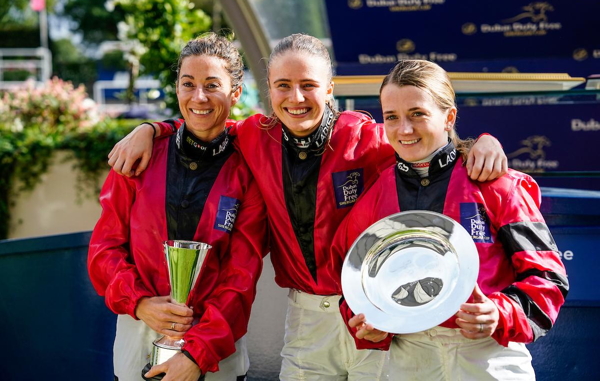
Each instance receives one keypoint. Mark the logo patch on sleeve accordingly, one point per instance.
(474, 219)
(347, 185)
(227, 213)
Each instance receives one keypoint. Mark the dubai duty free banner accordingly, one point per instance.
(554, 36)
(540, 133)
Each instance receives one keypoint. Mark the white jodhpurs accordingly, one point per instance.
(133, 345)
(318, 346)
(444, 354)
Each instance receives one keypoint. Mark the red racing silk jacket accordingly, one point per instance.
(520, 267)
(357, 152)
(126, 260)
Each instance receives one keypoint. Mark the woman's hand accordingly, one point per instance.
(177, 368)
(365, 330)
(136, 146)
(486, 159)
(478, 319)
(165, 317)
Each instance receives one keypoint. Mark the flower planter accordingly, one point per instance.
(53, 206)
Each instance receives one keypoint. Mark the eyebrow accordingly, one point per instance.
(192, 77)
(410, 109)
(289, 80)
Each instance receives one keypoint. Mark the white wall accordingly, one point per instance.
(267, 326)
(53, 206)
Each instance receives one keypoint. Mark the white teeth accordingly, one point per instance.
(409, 141)
(201, 112)
(298, 111)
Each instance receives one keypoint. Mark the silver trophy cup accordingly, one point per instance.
(184, 261)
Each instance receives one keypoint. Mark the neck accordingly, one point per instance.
(316, 138)
(422, 166)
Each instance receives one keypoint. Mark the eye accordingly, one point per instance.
(390, 117)
(282, 86)
(418, 113)
(309, 85)
(187, 84)
(213, 85)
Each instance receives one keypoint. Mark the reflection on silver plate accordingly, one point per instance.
(410, 271)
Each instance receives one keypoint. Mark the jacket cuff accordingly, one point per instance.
(200, 357)
(166, 128)
(189, 355)
(125, 303)
(347, 314)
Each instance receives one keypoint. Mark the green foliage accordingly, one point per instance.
(64, 50)
(70, 64)
(34, 123)
(19, 36)
(89, 149)
(16, 75)
(114, 60)
(16, 13)
(79, 73)
(157, 31)
(93, 20)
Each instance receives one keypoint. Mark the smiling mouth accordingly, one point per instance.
(297, 111)
(200, 112)
(409, 142)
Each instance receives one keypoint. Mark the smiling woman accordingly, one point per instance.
(300, 90)
(413, 121)
(205, 94)
(197, 188)
(521, 284)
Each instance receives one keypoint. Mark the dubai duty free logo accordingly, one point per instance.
(531, 156)
(531, 20)
(347, 186)
(227, 213)
(475, 220)
(397, 5)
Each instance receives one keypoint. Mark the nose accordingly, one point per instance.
(405, 126)
(199, 95)
(296, 95)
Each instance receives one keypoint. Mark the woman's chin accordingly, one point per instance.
(409, 155)
(300, 129)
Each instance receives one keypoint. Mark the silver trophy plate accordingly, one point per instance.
(410, 271)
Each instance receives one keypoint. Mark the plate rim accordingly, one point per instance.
(357, 298)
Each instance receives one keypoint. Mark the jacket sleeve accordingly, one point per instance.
(528, 307)
(169, 126)
(351, 228)
(111, 270)
(227, 309)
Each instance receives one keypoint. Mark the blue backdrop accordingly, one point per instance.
(557, 36)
